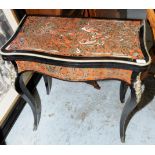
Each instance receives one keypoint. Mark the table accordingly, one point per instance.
(80, 49)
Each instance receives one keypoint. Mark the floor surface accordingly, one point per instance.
(76, 113)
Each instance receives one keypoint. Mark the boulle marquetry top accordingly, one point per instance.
(79, 42)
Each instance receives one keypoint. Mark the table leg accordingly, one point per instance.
(123, 90)
(130, 106)
(48, 83)
(33, 101)
(94, 84)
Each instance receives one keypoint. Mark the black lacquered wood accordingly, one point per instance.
(48, 83)
(32, 100)
(129, 107)
(123, 90)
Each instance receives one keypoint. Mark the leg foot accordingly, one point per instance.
(30, 99)
(48, 83)
(123, 90)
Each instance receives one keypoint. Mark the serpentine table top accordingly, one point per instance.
(79, 40)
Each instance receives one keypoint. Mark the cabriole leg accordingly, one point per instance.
(33, 101)
(130, 106)
(123, 90)
(48, 83)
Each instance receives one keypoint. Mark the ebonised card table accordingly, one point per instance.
(80, 49)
